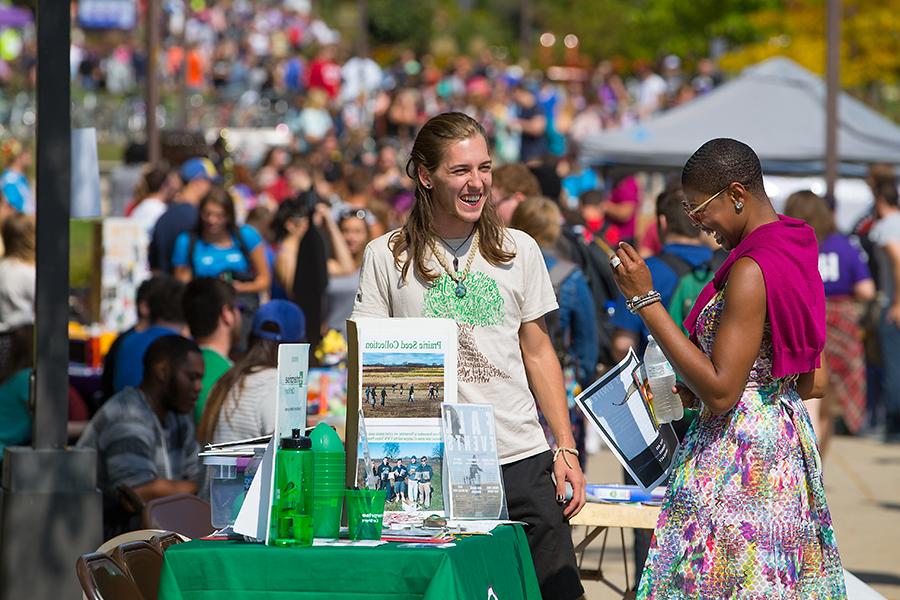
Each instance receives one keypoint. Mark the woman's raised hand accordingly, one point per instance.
(630, 271)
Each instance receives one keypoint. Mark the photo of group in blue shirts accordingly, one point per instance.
(411, 479)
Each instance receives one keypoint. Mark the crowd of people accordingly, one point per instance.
(250, 253)
(249, 63)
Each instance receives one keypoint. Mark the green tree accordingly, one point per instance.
(651, 28)
(391, 449)
(870, 46)
(393, 22)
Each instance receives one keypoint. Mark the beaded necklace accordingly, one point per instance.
(459, 278)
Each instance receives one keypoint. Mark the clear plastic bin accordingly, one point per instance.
(227, 486)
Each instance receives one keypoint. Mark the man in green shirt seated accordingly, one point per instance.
(211, 312)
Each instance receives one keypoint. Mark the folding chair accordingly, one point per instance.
(143, 563)
(137, 535)
(101, 577)
(182, 513)
(161, 541)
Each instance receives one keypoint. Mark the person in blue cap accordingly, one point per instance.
(241, 404)
(197, 177)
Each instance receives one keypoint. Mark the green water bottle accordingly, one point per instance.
(293, 502)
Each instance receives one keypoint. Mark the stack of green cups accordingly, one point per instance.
(330, 462)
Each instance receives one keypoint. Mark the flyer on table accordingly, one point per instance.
(475, 482)
(400, 372)
(618, 406)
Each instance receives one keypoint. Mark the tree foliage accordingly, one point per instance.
(870, 39)
(651, 28)
(391, 449)
(401, 22)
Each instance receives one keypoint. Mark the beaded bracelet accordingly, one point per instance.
(638, 302)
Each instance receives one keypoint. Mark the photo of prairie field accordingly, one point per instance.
(402, 384)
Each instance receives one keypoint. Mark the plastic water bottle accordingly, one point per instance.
(292, 518)
(666, 403)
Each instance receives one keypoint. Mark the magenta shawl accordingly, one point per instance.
(787, 254)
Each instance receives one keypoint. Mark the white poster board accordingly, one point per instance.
(85, 177)
(290, 413)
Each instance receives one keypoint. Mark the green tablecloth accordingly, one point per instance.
(206, 570)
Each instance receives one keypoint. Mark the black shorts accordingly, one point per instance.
(531, 497)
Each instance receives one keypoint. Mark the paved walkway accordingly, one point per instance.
(862, 481)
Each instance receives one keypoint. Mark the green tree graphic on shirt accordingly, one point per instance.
(482, 306)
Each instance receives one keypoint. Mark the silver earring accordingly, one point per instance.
(738, 206)
(427, 186)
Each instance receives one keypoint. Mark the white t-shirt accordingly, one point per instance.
(651, 90)
(148, 212)
(16, 293)
(249, 410)
(497, 302)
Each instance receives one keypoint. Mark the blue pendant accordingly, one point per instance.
(460, 289)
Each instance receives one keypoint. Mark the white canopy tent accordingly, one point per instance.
(777, 107)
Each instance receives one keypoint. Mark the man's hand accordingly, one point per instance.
(570, 472)
(893, 314)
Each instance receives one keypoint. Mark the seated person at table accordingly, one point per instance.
(241, 403)
(146, 290)
(144, 436)
(212, 314)
(15, 410)
(166, 318)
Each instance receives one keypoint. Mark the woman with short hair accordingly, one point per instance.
(745, 510)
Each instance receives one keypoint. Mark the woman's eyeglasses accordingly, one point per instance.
(694, 213)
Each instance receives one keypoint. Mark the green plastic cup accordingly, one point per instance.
(327, 509)
(295, 530)
(365, 511)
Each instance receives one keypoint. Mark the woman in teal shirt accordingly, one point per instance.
(15, 414)
(219, 248)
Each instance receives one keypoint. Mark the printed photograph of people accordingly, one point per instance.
(402, 384)
(410, 473)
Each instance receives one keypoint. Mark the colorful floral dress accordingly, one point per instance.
(745, 513)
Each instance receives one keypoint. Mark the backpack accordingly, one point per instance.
(560, 339)
(691, 281)
(560, 271)
(593, 260)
